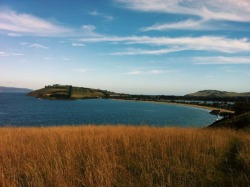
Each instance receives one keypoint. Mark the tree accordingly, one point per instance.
(241, 107)
(69, 91)
(215, 112)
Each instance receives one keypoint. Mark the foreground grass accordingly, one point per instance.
(123, 156)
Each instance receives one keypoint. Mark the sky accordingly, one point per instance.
(159, 47)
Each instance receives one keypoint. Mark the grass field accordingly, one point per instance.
(123, 156)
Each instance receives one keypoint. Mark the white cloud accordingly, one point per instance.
(39, 46)
(26, 24)
(231, 10)
(149, 72)
(145, 52)
(94, 13)
(156, 72)
(89, 30)
(182, 25)
(77, 44)
(6, 54)
(204, 43)
(110, 18)
(221, 60)
(14, 34)
(3, 54)
(99, 14)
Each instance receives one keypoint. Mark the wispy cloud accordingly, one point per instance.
(221, 60)
(38, 46)
(182, 25)
(14, 34)
(100, 14)
(25, 24)
(145, 52)
(21, 24)
(6, 54)
(135, 73)
(156, 72)
(3, 54)
(231, 10)
(89, 30)
(94, 13)
(204, 43)
(149, 72)
(77, 44)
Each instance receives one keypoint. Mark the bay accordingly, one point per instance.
(17, 109)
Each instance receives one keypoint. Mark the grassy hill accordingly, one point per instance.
(69, 92)
(217, 93)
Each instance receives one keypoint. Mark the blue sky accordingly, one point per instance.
(130, 46)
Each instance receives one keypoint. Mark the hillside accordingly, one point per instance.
(123, 156)
(241, 121)
(217, 93)
(13, 89)
(69, 92)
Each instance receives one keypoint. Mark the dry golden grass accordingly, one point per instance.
(123, 156)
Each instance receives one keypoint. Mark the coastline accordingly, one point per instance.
(201, 107)
(184, 104)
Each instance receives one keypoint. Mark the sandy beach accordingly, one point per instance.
(185, 104)
(200, 106)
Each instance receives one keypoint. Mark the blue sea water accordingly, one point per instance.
(17, 109)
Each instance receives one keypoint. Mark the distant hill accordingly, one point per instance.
(70, 92)
(13, 89)
(217, 93)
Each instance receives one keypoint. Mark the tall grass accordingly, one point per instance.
(123, 156)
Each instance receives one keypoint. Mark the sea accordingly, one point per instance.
(18, 109)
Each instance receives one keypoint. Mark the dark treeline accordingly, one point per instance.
(239, 120)
(188, 98)
(212, 101)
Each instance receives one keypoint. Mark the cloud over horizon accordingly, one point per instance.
(203, 43)
(26, 24)
(108, 43)
(22, 24)
(220, 60)
(229, 10)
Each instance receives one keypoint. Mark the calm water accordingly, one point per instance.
(21, 110)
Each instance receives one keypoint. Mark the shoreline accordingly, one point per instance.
(201, 107)
(184, 104)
